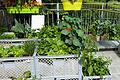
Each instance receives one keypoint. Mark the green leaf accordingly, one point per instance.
(67, 18)
(18, 27)
(65, 32)
(68, 41)
(76, 42)
(59, 42)
(80, 33)
(90, 70)
(27, 28)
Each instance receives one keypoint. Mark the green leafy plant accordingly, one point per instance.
(100, 28)
(16, 51)
(18, 28)
(8, 35)
(19, 78)
(49, 32)
(12, 51)
(73, 33)
(27, 74)
(51, 43)
(114, 32)
(3, 52)
(93, 65)
(21, 29)
(29, 48)
(54, 46)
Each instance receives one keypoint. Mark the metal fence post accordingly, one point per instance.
(58, 13)
(34, 67)
(35, 61)
(80, 66)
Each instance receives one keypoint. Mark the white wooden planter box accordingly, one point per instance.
(107, 77)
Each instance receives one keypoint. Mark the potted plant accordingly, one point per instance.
(100, 28)
(72, 4)
(95, 67)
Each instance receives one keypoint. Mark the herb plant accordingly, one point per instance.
(29, 48)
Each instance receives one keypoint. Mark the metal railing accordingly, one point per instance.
(89, 12)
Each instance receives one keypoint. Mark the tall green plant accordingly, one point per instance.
(100, 27)
(73, 34)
